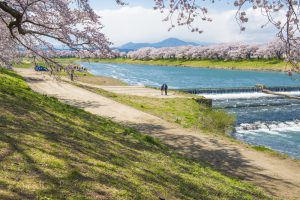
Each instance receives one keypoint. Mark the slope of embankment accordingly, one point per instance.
(50, 150)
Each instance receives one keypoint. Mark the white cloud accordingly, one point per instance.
(138, 24)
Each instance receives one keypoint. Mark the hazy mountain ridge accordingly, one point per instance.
(170, 42)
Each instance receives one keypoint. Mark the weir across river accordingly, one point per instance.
(240, 90)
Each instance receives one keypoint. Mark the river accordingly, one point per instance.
(263, 120)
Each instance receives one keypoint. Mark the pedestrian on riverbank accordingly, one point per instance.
(164, 88)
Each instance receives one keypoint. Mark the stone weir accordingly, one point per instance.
(257, 88)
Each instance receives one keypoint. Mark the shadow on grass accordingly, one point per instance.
(83, 104)
(93, 164)
(227, 159)
(49, 150)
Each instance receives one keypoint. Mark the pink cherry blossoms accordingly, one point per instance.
(32, 24)
(229, 51)
(184, 13)
(8, 50)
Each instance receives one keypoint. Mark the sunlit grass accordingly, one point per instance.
(184, 111)
(50, 150)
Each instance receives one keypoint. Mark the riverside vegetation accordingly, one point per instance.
(252, 64)
(184, 111)
(50, 150)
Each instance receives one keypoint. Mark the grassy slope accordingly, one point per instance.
(100, 80)
(273, 64)
(184, 111)
(49, 150)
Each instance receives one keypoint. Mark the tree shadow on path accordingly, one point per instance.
(227, 159)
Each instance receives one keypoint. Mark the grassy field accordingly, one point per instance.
(184, 111)
(50, 150)
(100, 80)
(263, 64)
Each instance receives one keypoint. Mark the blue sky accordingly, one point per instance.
(138, 22)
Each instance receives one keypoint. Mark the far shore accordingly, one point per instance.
(254, 64)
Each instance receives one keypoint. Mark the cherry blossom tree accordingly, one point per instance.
(8, 50)
(229, 51)
(32, 24)
(184, 13)
(276, 48)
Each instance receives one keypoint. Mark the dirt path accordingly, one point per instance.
(278, 176)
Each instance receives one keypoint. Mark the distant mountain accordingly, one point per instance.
(170, 42)
(134, 46)
(173, 42)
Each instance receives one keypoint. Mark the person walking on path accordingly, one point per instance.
(164, 88)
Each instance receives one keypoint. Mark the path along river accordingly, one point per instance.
(264, 120)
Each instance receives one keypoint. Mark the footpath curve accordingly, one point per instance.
(277, 176)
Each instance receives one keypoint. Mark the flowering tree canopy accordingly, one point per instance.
(8, 50)
(29, 24)
(32, 24)
(186, 11)
(229, 51)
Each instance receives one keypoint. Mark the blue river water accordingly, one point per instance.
(262, 120)
(266, 121)
(188, 77)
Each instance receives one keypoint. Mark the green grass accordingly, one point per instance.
(50, 150)
(261, 148)
(271, 152)
(184, 111)
(253, 64)
(25, 63)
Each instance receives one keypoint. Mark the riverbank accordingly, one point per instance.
(170, 110)
(254, 64)
(273, 174)
(179, 108)
(50, 150)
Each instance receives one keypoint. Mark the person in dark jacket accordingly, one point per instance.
(164, 88)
